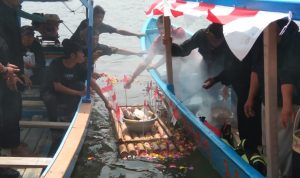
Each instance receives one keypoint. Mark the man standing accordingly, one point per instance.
(11, 105)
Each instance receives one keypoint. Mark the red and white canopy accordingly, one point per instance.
(241, 26)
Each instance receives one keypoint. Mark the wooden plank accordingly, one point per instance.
(143, 140)
(32, 173)
(44, 124)
(21, 162)
(24, 133)
(32, 103)
(42, 149)
(69, 151)
(44, 144)
(270, 75)
(33, 138)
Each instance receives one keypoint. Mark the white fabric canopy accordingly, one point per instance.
(241, 26)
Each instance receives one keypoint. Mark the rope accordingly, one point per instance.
(285, 27)
(68, 28)
(71, 10)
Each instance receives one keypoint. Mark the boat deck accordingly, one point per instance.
(35, 134)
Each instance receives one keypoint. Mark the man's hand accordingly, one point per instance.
(27, 81)
(287, 114)
(140, 35)
(248, 108)
(151, 66)
(11, 83)
(96, 75)
(141, 54)
(82, 92)
(10, 70)
(96, 55)
(208, 83)
(128, 83)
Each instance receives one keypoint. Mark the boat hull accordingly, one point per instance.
(221, 156)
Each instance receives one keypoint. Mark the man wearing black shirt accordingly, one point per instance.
(100, 26)
(63, 82)
(286, 58)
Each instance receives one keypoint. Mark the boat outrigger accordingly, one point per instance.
(36, 129)
(233, 12)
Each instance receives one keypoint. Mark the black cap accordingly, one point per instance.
(216, 29)
(27, 30)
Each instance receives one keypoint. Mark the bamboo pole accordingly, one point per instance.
(167, 42)
(123, 151)
(131, 149)
(270, 75)
(159, 129)
(117, 126)
(125, 132)
(168, 132)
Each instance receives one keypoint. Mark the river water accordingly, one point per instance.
(99, 156)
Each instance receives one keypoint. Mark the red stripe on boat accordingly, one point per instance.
(234, 15)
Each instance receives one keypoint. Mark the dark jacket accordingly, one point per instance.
(11, 34)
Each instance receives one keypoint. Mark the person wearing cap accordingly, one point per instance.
(33, 56)
(49, 28)
(99, 14)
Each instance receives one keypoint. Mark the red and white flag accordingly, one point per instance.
(145, 104)
(107, 88)
(156, 93)
(125, 79)
(118, 112)
(114, 97)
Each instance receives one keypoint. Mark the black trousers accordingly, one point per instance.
(249, 128)
(10, 115)
(53, 99)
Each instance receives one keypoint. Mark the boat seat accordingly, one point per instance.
(44, 124)
(28, 162)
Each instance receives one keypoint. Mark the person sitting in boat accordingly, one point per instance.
(49, 28)
(101, 49)
(63, 81)
(100, 26)
(286, 53)
(157, 48)
(33, 56)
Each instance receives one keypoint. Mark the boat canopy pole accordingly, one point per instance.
(271, 116)
(167, 42)
(89, 10)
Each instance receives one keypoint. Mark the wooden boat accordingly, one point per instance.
(221, 156)
(36, 133)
